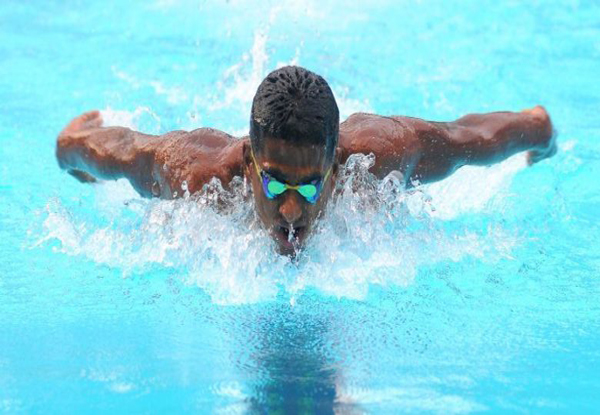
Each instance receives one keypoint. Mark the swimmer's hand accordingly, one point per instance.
(547, 147)
(86, 121)
(75, 131)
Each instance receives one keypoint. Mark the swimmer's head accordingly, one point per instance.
(291, 160)
(297, 106)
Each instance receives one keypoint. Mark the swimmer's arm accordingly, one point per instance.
(156, 166)
(90, 152)
(483, 139)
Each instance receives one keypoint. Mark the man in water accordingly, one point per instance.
(294, 149)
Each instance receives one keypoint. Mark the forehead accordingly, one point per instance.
(292, 157)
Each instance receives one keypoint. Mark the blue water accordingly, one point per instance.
(478, 294)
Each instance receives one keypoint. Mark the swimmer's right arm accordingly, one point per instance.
(156, 166)
(88, 151)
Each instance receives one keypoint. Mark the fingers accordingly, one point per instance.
(537, 111)
(86, 121)
(91, 119)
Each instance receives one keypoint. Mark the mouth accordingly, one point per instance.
(290, 238)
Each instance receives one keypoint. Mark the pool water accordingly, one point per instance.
(478, 294)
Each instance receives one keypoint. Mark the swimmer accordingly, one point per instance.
(294, 149)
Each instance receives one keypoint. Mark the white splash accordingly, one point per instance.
(453, 198)
(372, 234)
(241, 80)
(233, 93)
(348, 105)
(142, 118)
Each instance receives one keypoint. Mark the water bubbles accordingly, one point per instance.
(184, 187)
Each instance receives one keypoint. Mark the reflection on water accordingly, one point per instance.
(292, 368)
(298, 378)
(345, 357)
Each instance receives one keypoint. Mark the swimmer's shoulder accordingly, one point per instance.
(205, 137)
(365, 133)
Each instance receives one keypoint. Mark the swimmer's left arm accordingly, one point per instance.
(483, 139)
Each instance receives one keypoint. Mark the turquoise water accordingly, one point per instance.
(478, 294)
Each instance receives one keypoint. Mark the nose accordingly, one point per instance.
(290, 208)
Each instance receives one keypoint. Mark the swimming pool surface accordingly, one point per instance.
(479, 294)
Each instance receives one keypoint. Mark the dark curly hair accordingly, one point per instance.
(296, 105)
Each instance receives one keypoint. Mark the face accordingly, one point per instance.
(289, 216)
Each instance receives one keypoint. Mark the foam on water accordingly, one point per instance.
(373, 233)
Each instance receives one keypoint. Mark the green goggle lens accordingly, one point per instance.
(308, 190)
(276, 187)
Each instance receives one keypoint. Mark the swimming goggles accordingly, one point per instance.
(273, 187)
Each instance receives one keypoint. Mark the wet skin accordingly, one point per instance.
(289, 217)
(422, 151)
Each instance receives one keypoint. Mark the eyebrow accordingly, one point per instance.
(277, 174)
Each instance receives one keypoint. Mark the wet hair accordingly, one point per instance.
(295, 105)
